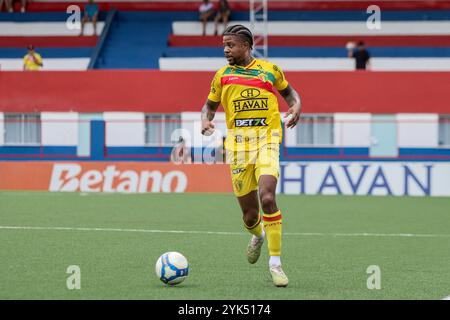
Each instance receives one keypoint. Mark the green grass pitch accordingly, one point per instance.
(329, 243)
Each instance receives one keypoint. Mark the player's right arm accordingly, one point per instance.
(212, 103)
(208, 112)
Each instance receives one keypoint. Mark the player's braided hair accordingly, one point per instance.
(241, 31)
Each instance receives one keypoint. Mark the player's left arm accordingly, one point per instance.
(293, 100)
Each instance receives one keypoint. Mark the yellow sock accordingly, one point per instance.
(272, 226)
(257, 228)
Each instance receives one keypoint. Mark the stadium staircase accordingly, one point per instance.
(137, 39)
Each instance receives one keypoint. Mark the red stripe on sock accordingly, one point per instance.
(278, 217)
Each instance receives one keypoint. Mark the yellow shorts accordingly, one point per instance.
(247, 166)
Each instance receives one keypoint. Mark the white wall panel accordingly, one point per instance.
(287, 64)
(410, 64)
(417, 130)
(60, 64)
(124, 128)
(45, 29)
(59, 128)
(313, 64)
(352, 129)
(2, 129)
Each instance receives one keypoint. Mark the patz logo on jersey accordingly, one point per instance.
(256, 122)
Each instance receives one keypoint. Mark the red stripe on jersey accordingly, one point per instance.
(254, 82)
(278, 217)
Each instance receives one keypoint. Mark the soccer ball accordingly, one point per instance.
(172, 268)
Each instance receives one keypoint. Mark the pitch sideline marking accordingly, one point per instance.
(410, 235)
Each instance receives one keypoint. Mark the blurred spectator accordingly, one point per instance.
(360, 54)
(223, 14)
(181, 153)
(206, 10)
(32, 61)
(8, 6)
(90, 14)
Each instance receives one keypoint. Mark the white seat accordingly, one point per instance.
(69, 64)
(313, 64)
(45, 29)
(334, 28)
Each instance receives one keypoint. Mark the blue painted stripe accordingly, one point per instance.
(424, 151)
(355, 151)
(329, 151)
(163, 153)
(36, 150)
(315, 52)
(97, 139)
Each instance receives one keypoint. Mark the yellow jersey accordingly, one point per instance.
(248, 97)
(29, 63)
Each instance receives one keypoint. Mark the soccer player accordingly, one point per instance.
(246, 89)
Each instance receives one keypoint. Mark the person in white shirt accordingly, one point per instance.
(206, 10)
(9, 5)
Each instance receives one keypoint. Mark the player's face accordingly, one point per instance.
(234, 49)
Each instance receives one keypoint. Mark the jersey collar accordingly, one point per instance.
(251, 64)
(246, 67)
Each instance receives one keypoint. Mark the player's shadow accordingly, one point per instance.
(177, 287)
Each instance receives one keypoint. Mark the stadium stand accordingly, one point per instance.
(61, 47)
(167, 35)
(315, 40)
(103, 164)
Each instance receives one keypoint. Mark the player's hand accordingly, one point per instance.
(207, 127)
(294, 114)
